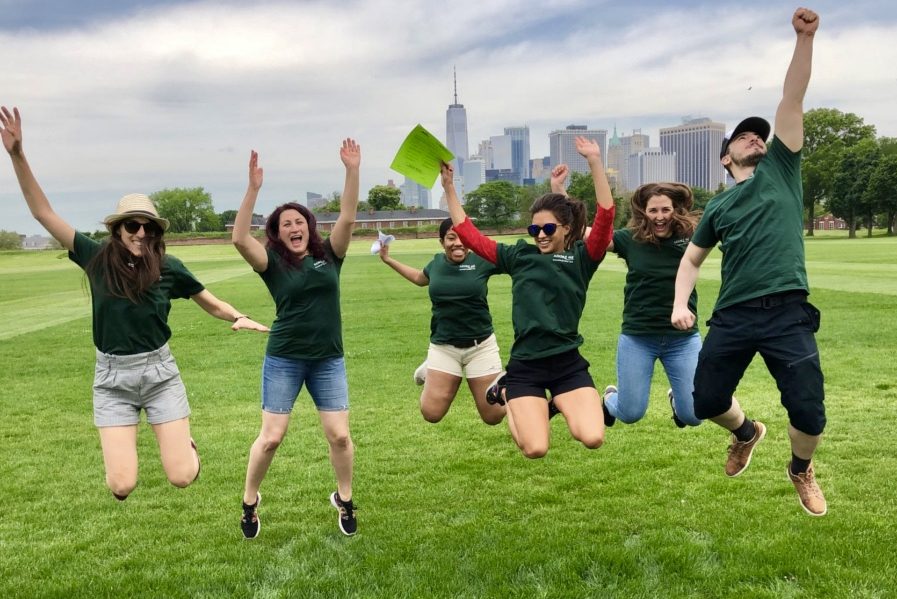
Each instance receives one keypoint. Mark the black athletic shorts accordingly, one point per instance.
(557, 374)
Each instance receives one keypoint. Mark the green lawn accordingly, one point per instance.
(446, 510)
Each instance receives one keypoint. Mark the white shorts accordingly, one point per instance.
(483, 359)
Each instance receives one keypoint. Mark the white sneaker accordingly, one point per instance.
(420, 374)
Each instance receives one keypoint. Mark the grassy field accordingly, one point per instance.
(446, 510)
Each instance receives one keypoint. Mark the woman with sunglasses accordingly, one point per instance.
(301, 271)
(652, 244)
(462, 342)
(549, 283)
(132, 282)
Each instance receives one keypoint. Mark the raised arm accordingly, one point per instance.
(559, 179)
(249, 247)
(223, 310)
(470, 236)
(11, 133)
(686, 278)
(790, 113)
(350, 154)
(412, 274)
(601, 234)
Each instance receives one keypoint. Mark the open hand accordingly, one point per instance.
(249, 325)
(12, 130)
(350, 153)
(256, 173)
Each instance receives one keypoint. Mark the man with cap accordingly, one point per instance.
(762, 304)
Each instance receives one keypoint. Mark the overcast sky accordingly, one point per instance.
(128, 96)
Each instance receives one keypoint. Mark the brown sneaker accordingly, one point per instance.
(740, 452)
(809, 493)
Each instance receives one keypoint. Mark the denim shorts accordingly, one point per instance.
(124, 385)
(282, 380)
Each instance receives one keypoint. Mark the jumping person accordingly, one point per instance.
(132, 282)
(301, 271)
(652, 244)
(762, 305)
(549, 283)
(462, 341)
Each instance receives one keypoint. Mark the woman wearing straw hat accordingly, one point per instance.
(132, 282)
(301, 271)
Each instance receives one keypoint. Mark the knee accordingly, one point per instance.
(533, 450)
(120, 486)
(593, 441)
(270, 442)
(182, 479)
(431, 415)
(340, 441)
(628, 416)
(492, 419)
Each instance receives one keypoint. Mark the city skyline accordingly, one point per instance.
(142, 96)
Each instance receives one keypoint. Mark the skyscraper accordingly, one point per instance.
(519, 151)
(456, 130)
(562, 146)
(696, 143)
(650, 165)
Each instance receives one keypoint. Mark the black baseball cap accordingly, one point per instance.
(754, 124)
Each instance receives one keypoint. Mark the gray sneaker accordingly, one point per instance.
(420, 374)
(740, 452)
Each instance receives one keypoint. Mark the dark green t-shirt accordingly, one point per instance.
(308, 323)
(759, 225)
(651, 284)
(548, 296)
(458, 294)
(121, 327)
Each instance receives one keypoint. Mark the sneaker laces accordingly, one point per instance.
(808, 483)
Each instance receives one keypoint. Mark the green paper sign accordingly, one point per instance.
(420, 157)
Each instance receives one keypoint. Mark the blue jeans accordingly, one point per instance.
(636, 355)
(282, 380)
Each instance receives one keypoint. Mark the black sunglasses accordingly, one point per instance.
(549, 229)
(150, 228)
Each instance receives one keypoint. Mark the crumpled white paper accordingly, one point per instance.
(382, 240)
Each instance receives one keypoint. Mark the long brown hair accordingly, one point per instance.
(126, 275)
(315, 241)
(568, 211)
(682, 221)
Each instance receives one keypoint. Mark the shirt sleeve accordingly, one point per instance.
(185, 284)
(602, 233)
(478, 243)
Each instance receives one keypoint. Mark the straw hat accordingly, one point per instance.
(135, 204)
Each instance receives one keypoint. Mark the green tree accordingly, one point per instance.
(583, 188)
(702, 197)
(493, 204)
(384, 197)
(227, 218)
(848, 199)
(827, 133)
(526, 195)
(881, 192)
(188, 209)
(10, 240)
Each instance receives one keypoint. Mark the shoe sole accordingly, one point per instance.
(751, 456)
(258, 504)
(495, 391)
(339, 518)
(814, 514)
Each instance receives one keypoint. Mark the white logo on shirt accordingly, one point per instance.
(565, 258)
(320, 263)
(467, 267)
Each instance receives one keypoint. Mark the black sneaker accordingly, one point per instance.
(678, 422)
(250, 522)
(552, 409)
(609, 419)
(496, 391)
(347, 522)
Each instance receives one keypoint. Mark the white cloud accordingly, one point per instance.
(176, 96)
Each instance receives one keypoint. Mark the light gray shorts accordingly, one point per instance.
(474, 362)
(123, 385)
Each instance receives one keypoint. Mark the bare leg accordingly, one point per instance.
(528, 421)
(491, 414)
(802, 444)
(585, 419)
(261, 454)
(342, 452)
(179, 460)
(438, 394)
(120, 457)
(731, 418)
